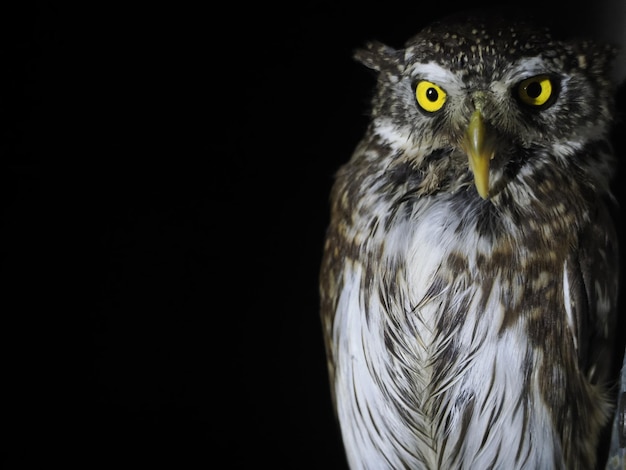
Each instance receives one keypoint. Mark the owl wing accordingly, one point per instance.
(591, 295)
(339, 248)
(331, 286)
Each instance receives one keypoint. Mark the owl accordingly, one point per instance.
(469, 279)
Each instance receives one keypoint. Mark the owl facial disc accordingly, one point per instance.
(479, 149)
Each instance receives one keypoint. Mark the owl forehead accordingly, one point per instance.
(458, 80)
(480, 52)
(483, 40)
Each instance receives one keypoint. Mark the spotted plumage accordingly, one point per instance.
(469, 279)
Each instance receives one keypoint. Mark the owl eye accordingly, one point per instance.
(537, 91)
(430, 97)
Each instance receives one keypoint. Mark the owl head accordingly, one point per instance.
(492, 97)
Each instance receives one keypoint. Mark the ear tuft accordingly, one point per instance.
(378, 56)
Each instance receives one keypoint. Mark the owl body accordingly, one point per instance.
(468, 312)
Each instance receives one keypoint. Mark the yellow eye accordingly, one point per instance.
(429, 96)
(536, 91)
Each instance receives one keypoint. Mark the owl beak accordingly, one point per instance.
(479, 152)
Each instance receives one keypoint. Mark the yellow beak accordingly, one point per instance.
(479, 152)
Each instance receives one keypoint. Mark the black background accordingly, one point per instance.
(165, 180)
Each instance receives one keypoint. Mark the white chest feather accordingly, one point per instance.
(414, 367)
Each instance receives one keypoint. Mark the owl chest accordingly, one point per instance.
(436, 316)
(442, 301)
(455, 288)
